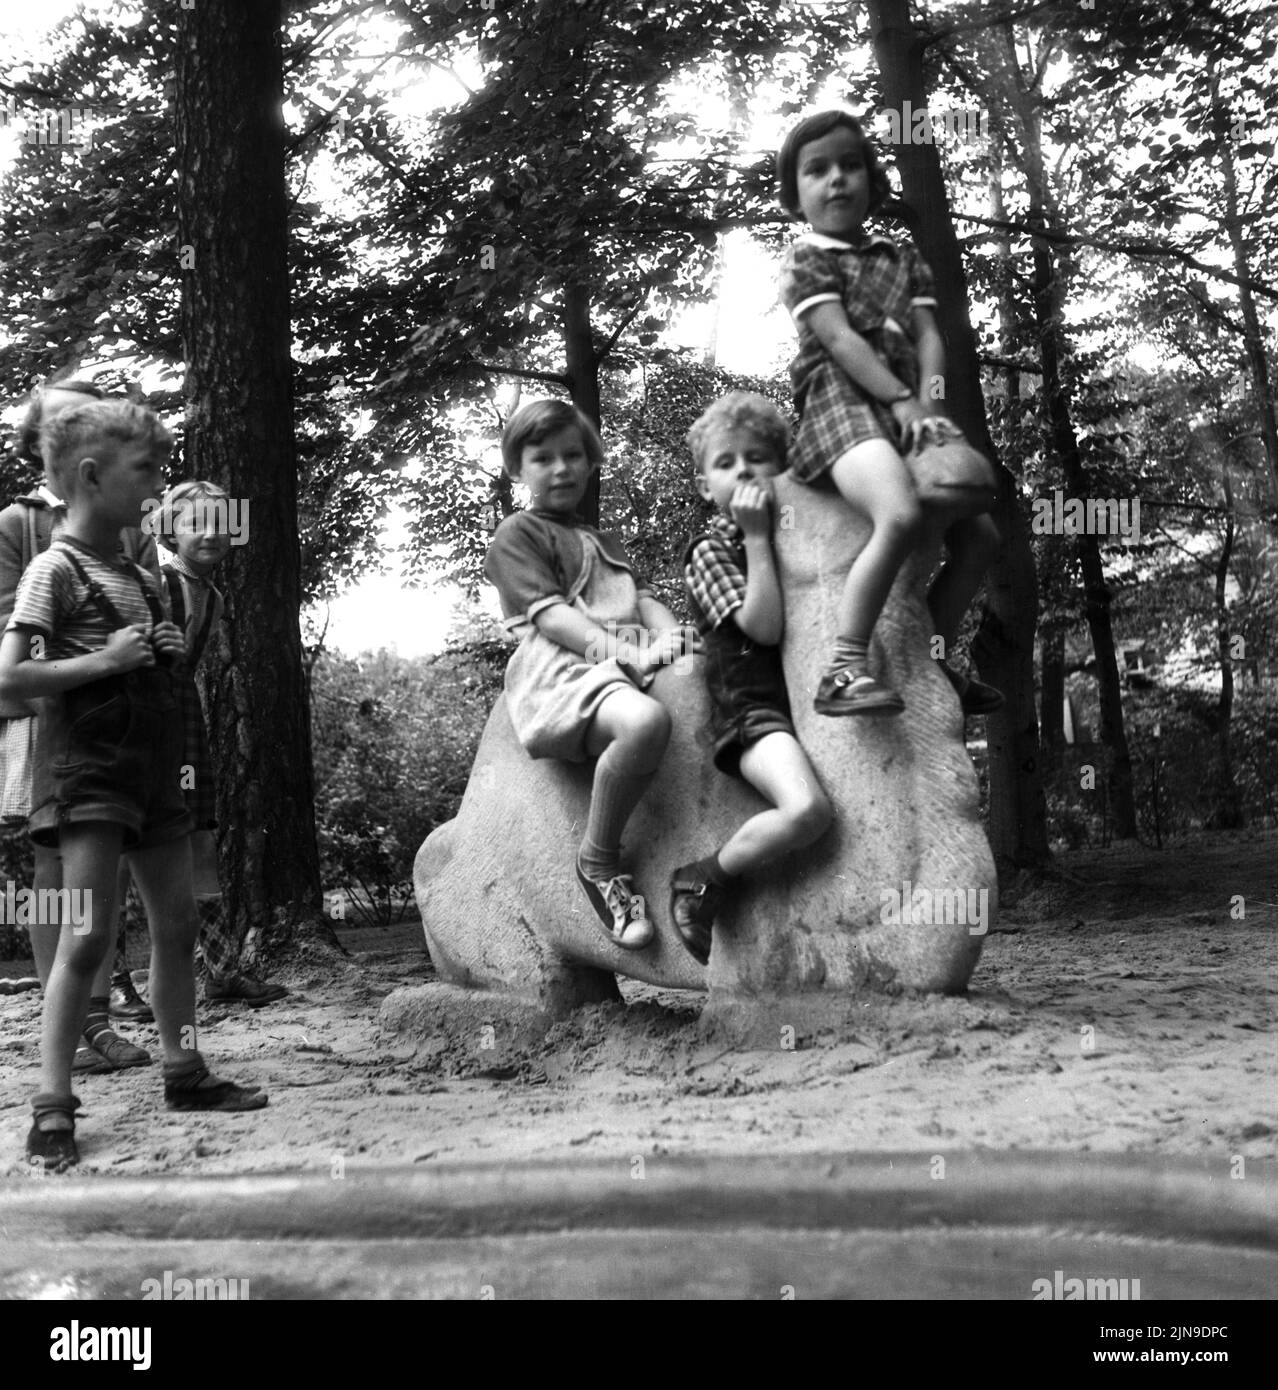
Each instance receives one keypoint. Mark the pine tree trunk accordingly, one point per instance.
(582, 365)
(1096, 596)
(232, 221)
(1253, 337)
(1004, 646)
(1229, 812)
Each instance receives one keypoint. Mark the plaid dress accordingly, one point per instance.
(197, 606)
(878, 283)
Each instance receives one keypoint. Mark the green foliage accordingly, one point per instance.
(1178, 764)
(394, 740)
(17, 866)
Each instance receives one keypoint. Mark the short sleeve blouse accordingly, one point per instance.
(535, 559)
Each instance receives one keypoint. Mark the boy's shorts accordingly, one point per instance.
(747, 726)
(111, 751)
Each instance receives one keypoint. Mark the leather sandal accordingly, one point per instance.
(242, 989)
(849, 692)
(200, 1090)
(694, 905)
(975, 697)
(54, 1150)
(126, 1002)
(112, 1051)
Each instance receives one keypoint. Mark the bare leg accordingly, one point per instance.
(777, 768)
(873, 479)
(629, 737)
(44, 938)
(90, 854)
(163, 875)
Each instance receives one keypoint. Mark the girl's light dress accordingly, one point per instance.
(553, 694)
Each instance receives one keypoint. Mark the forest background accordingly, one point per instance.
(343, 240)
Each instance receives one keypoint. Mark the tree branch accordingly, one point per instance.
(990, 22)
(529, 373)
(1128, 248)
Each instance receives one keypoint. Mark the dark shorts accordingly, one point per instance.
(748, 697)
(747, 726)
(111, 751)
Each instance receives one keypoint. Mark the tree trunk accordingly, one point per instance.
(1053, 688)
(1229, 813)
(1253, 338)
(582, 364)
(232, 222)
(1004, 646)
(1096, 596)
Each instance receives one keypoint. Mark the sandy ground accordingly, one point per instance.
(1120, 1008)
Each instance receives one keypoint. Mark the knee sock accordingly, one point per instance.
(615, 796)
(851, 654)
(99, 1018)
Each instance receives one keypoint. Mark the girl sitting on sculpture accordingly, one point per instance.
(869, 385)
(593, 637)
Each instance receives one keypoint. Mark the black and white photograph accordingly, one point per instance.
(638, 662)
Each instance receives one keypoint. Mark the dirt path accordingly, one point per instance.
(1125, 1011)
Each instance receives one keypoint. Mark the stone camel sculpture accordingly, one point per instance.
(506, 922)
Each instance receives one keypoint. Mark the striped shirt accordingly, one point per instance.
(53, 600)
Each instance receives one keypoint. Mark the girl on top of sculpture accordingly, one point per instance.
(592, 636)
(868, 383)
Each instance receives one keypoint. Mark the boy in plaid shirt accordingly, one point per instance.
(739, 445)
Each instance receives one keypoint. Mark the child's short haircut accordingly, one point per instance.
(177, 501)
(531, 423)
(813, 128)
(29, 429)
(69, 436)
(745, 410)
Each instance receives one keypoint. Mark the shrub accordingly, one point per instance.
(394, 739)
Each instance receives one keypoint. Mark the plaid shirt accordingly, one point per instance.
(715, 572)
(878, 283)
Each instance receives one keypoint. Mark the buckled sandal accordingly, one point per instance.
(846, 692)
(200, 1090)
(621, 911)
(109, 1052)
(694, 905)
(53, 1150)
(975, 697)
